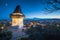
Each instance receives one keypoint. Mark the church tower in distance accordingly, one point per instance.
(17, 17)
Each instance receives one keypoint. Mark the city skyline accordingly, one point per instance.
(30, 8)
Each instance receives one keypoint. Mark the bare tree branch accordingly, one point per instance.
(52, 5)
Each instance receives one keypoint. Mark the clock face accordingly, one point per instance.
(17, 21)
(14, 21)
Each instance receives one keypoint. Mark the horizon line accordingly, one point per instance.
(29, 18)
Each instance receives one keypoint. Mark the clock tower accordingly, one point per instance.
(17, 17)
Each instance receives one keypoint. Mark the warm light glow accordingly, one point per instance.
(17, 14)
(17, 22)
(14, 21)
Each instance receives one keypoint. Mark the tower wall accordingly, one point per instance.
(14, 21)
(17, 21)
(21, 22)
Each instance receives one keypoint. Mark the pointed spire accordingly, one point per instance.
(17, 12)
(18, 9)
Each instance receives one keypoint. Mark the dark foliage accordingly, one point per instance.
(5, 35)
(37, 33)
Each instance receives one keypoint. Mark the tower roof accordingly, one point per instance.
(17, 12)
(18, 9)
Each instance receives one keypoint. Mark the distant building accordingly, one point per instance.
(17, 17)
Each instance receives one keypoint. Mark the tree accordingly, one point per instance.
(37, 33)
(5, 35)
(51, 5)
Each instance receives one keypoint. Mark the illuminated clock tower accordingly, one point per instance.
(17, 17)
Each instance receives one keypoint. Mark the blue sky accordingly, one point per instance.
(30, 8)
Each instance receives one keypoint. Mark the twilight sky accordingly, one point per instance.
(30, 8)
